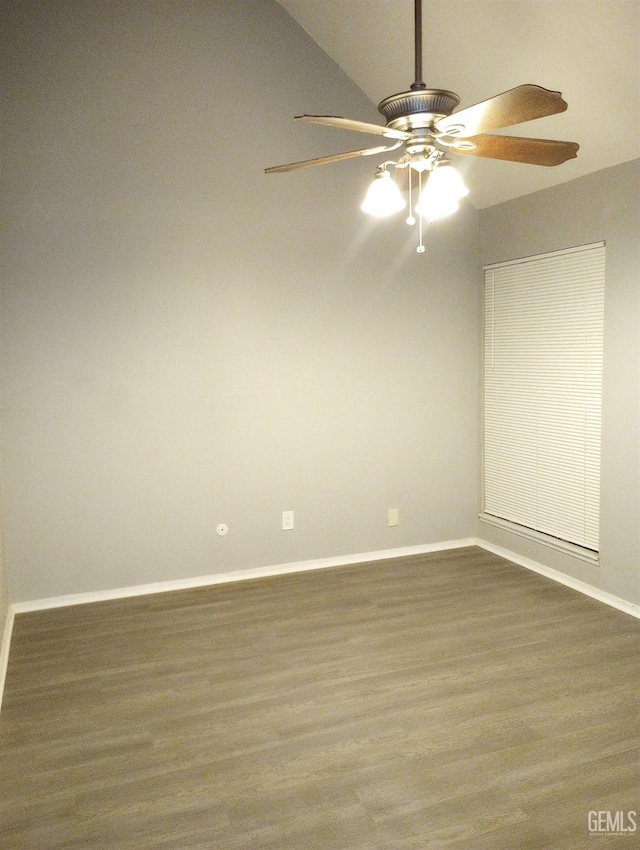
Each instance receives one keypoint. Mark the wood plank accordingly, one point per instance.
(447, 700)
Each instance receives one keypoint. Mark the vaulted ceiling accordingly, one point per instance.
(587, 49)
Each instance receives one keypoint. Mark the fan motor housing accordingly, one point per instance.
(412, 110)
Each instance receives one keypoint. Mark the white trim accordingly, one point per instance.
(239, 575)
(530, 257)
(4, 649)
(572, 549)
(302, 566)
(563, 578)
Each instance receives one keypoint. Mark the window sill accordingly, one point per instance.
(572, 549)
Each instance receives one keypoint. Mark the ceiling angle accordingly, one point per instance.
(422, 123)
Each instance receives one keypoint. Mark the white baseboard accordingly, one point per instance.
(563, 578)
(4, 649)
(239, 575)
(204, 581)
(301, 566)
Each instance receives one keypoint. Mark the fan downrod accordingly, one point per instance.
(420, 107)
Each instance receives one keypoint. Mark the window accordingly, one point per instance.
(543, 341)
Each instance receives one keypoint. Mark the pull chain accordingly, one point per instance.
(410, 217)
(420, 249)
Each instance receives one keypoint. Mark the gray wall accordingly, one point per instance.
(187, 341)
(603, 206)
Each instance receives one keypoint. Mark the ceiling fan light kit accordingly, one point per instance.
(423, 122)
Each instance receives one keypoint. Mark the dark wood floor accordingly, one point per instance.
(450, 700)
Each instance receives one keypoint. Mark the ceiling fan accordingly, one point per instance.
(423, 123)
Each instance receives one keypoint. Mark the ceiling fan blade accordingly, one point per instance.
(524, 103)
(350, 124)
(323, 160)
(514, 149)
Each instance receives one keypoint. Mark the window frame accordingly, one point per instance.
(535, 530)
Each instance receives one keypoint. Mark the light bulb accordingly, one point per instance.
(383, 196)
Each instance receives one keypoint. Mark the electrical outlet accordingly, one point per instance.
(393, 516)
(287, 520)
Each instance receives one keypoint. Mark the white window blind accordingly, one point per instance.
(543, 342)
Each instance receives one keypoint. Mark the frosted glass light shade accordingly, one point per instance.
(433, 207)
(440, 196)
(383, 196)
(446, 180)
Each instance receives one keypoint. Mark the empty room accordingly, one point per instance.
(320, 438)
